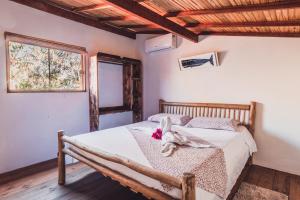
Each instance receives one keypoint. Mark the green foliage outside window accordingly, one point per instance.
(36, 68)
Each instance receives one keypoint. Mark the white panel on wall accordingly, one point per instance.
(110, 85)
(115, 119)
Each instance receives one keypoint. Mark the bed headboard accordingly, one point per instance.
(245, 113)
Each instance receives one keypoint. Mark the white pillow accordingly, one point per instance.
(214, 123)
(175, 118)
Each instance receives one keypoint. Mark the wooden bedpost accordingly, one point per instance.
(252, 116)
(161, 106)
(61, 159)
(188, 187)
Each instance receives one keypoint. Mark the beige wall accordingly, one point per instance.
(28, 122)
(265, 70)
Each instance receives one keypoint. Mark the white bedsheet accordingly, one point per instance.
(237, 148)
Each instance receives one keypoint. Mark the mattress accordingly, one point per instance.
(237, 148)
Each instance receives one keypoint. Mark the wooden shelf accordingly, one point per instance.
(112, 111)
(115, 109)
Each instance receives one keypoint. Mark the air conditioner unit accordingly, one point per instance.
(168, 41)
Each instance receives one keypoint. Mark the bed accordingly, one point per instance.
(123, 160)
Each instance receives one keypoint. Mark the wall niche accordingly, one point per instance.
(132, 88)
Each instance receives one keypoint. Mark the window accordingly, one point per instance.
(36, 65)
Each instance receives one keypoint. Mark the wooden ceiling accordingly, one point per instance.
(187, 18)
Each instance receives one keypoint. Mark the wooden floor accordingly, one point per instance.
(275, 180)
(83, 183)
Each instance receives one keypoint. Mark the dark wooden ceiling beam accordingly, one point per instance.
(284, 4)
(254, 34)
(91, 7)
(133, 26)
(46, 6)
(244, 24)
(140, 1)
(158, 31)
(108, 19)
(135, 9)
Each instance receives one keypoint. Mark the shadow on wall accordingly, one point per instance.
(281, 154)
(179, 41)
(152, 96)
(202, 37)
(221, 56)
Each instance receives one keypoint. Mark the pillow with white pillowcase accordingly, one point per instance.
(176, 119)
(213, 123)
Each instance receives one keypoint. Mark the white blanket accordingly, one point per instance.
(236, 146)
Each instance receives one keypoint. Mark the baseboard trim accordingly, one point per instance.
(27, 171)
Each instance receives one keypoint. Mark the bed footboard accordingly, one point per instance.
(186, 184)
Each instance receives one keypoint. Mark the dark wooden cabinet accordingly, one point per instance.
(132, 88)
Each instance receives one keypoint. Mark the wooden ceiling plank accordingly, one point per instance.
(69, 14)
(234, 9)
(245, 24)
(135, 9)
(254, 34)
(92, 7)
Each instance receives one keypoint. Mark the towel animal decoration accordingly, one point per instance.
(170, 139)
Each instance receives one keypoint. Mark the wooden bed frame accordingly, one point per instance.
(241, 112)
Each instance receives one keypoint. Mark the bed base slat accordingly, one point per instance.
(152, 173)
(123, 179)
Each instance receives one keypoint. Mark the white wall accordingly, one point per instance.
(111, 94)
(265, 70)
(28, 122)
(110, 85)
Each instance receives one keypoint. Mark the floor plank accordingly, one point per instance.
(253, 175)
(294, 188)
(275, 180)
(266, 177)
(34, 180)
(83, 183)
(281, 182)
(50, 189)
